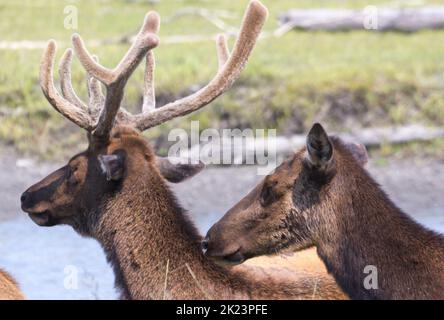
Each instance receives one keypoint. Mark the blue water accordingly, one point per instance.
(47, 261)
(56, 263)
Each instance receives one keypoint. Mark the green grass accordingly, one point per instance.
(345, 79)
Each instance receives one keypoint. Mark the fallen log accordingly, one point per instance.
(371, 17)
(250, 149)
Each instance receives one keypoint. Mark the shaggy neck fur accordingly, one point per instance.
(366, 228)
(155, 249)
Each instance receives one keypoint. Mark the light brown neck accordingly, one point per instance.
(155, 249)
(9, 290)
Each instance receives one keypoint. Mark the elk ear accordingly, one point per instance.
(358, 151)
(178, 171)
(319, 147)
(112, 166)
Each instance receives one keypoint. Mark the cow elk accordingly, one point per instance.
(116, 190)
(324, 197)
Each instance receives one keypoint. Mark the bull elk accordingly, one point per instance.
(324, 197)
(116, 190)
(9, 289)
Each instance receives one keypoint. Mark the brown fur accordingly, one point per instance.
(303, 266)
(9, 289)
(336, 206)
(149, 240)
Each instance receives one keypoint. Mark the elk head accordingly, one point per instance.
(287, 209)
(117, 151)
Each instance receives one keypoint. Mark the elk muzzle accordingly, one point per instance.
(36, 201)
(219, 249)
(41, 217)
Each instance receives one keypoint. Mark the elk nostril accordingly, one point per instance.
(23, 197)
(204, 244)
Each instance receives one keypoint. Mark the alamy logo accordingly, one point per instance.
(71, 17)
(227, 146)
(71, 280)
(371, 280)
(370, 21)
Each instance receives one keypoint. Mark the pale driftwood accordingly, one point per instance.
(284, 146)
(379, 19)
(396, 135)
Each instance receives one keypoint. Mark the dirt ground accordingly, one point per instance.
(416, 185)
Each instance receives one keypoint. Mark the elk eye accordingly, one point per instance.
(72, 179)
(267, 195)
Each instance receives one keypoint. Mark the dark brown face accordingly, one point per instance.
(75, 193)
(67, 195)
(283, 212)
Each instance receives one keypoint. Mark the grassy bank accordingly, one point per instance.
(345, 79)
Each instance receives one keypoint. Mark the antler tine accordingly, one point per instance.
(145, 41)
(222, 50)
(95, 94)
(93, 68)
(149, 96)
(96, 97)
(66, 81)
(115, 79)
(254, 19)
(62, 105)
